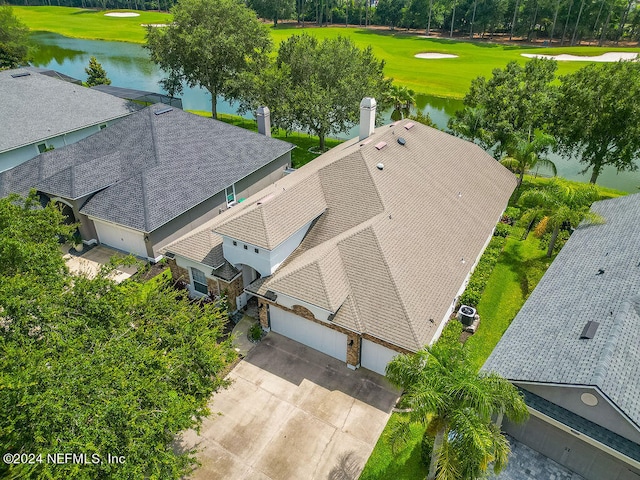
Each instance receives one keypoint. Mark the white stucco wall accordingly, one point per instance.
(12, 158)
(264, 261)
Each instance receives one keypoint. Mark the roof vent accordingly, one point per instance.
(170, 255)
(380, 166)
(467, 315)
(381, 145)
(401, 141)
(409, 125)
(21, 74)
(393, 124)
(163, 110)
(589, 330)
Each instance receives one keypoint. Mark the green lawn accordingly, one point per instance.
(384, 464)
(442, 78)
(303, 142)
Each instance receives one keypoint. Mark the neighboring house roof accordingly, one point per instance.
(574, 292)
(385, 249)
(150, 168)
(139, 95)
(36, 107)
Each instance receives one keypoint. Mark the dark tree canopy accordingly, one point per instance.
(598, 116)
(318, 85)
(515, 101)
(14, 40)
(96, 74)
(273, 9)
(209, 44)
(92, 367)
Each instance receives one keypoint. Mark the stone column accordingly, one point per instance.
(263, 315)
(354, 342)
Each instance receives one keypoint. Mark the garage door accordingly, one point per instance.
(121, 238)
(375, 357)
(309, 333)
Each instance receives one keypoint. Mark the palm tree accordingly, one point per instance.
(402, 99)
(456, 405)
(563, 203)
(523, 155)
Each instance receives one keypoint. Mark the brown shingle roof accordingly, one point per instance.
(385, 250)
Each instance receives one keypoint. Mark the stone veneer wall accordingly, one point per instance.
(177, 272)
(232, 289)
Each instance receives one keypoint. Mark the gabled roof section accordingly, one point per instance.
(273, 218)
(36, 107)
(574, 292)
(148, 169)
(384, 252)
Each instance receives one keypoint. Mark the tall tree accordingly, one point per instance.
(455, 404)
(209, 44)
(523, 155)
(515, 101)
(96, 74)
(562, 203)
(273, 9)
(318, 85)
(14, 40)
(93, 367)
(597, 114)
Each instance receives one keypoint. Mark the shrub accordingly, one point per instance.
(481, 274)
(502, 230)
(255, 332)
(513, 213)
(541, 228)
(563, 236)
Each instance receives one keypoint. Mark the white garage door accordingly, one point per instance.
(121, 238)
(375, 357)
(309, 333)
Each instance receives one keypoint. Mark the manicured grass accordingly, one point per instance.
(442, 78)
(303, 142)
(405, 464)
(519, 269)
(90, 24)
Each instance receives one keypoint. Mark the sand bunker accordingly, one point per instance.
(122, 14)
(605, 57)
(434, 55)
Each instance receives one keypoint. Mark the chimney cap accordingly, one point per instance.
(368, 102)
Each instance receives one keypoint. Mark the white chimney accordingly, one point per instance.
(264, 121)
(367, 117)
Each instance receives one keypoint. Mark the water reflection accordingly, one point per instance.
(128, 65)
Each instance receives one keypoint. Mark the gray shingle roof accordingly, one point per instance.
(36, 107)
(156, 167)
(385, 248)
(570, 294)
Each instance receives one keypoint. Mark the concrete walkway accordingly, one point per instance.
(90, 261)
(291, 413)
(241, 341)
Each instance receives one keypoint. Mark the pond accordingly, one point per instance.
(128, 65)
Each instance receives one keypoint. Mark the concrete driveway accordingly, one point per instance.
(291, 413)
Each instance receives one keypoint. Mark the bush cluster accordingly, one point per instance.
(502, 230)
(563, 236)
(481, 274)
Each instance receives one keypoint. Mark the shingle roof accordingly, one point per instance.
(385, 248)
(156, 167)
(571, 293)
(36, 107)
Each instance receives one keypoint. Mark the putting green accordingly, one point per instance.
(447, 77)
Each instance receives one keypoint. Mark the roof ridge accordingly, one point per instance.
(145, 209)
(395, 287)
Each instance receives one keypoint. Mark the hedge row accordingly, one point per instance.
(481, 274)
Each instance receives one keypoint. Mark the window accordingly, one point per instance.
(42, 148)
(199, 281)
(235, 244)
(230, 192)
(256, 250)
(103, 126)
(246, 248)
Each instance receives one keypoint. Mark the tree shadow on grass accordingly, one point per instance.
(528, 271)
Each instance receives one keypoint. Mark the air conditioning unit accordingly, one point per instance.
(466, 315)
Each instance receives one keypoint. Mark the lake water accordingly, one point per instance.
(128, 65)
